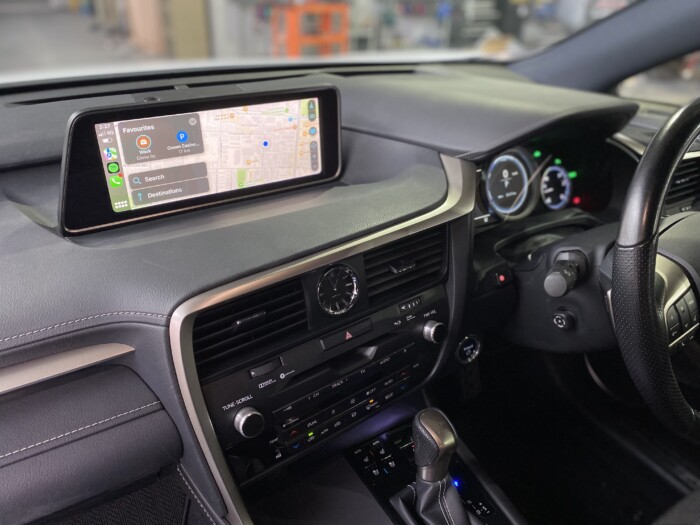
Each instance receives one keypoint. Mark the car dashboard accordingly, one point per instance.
(217, 335)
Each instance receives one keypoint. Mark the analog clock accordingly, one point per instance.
(337, 289)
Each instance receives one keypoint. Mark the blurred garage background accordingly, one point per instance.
(43, 35)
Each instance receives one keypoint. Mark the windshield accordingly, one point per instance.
(46, 38)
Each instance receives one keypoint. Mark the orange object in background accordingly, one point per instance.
(309, 29)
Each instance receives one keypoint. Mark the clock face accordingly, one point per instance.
(337, 289)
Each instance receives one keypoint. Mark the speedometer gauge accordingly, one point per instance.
(507, 184)
(555, 188)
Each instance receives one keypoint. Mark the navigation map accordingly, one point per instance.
(163, 159)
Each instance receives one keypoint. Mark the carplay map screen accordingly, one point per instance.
(170, 158)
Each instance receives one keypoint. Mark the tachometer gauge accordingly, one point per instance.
(507, 184)
(555, 188)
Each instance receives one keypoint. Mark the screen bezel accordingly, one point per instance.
(85, 204)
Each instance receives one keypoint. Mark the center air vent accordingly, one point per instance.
(684, 188)
(249, 325)
(404, 267)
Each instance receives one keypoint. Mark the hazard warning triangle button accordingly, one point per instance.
(349, 333)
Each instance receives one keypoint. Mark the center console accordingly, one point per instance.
(291, 364)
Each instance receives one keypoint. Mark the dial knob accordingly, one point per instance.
(561, 279)
(434, 332)
(249, 422)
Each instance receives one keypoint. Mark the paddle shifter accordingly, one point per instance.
(432, 499)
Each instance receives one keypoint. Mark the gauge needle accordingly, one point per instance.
(534, 175)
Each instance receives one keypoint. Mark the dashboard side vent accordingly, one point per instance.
(407, 266)
(250, 324)
(684, 188)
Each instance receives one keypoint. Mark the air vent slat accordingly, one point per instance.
(239, 342)
(406, 266)
(413, 245)
(377, 263)
(293, 308)
(242, 308)
(248, 324)
(387, 276)
(388, 286)
(685, 185)
(228, 319)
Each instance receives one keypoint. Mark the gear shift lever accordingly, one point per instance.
(432, 499)
(434, 442)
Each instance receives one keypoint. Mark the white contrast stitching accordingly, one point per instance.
(444, 497)
(211, 520)
(59, 325)
(78, 430)
(415, 496)
(442, 509)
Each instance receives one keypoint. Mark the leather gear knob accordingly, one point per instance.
(434, 441)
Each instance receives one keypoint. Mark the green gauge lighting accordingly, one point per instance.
(573, 174)
(557, 162)
(537, 154)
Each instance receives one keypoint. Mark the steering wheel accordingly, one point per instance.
(655, 267)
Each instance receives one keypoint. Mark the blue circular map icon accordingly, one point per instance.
(182, 136)
(266, 144)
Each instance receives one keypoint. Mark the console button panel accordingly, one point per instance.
(323, 386)
(386, 464)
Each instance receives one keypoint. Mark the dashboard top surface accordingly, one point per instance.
(143, 272)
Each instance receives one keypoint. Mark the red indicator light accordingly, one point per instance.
(576, 200)
(501, 277)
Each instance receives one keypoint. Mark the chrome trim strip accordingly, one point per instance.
(630, 143)
(638, 148)
(461, 192)
(32, 372)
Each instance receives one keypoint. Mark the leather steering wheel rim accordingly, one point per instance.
(638, 317)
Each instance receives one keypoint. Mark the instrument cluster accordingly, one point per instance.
(540, 178)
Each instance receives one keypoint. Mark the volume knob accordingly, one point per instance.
(248, 422)
(434, 332)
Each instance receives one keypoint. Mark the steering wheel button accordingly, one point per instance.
(692, 304)
(683, 313)
(674, 332)
(672, 316)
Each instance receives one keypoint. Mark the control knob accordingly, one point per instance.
(569, 267)
(248, 422)
(434, 332)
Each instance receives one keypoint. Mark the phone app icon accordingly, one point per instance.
(116, 181)
(113, 167)
(110, 153)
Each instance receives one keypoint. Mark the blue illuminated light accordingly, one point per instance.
(455, 483)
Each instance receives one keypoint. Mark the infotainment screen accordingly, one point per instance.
(176, 157)
(130, 163)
